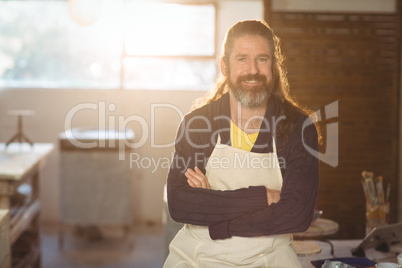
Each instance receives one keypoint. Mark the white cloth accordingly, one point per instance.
(230, 168)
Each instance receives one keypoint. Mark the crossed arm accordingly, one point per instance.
(197, 179)
(252, 211)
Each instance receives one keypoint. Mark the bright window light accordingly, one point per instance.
(169, 29)
(167, 46)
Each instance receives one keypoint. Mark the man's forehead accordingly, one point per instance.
(251, 44)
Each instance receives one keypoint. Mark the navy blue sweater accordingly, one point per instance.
(244, 212)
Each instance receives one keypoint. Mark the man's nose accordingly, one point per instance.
(253, 67)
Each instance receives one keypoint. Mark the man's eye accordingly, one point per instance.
(262, 59)
(242, 59)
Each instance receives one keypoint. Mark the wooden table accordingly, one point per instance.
(306, 248)
(318, 229)
(4, 239)
(96, 183)
(20, 163)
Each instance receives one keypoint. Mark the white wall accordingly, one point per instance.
(52, 106)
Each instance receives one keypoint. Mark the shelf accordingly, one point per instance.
(20, 165)
(4, 239)
(24, 221)
(26, 250)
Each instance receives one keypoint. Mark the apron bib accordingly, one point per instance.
(230, 168)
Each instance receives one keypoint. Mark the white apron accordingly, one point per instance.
(193, 247)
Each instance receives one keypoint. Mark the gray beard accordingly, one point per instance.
(252, 98)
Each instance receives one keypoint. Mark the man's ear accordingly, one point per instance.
(224, 68)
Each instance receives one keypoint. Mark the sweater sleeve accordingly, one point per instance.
(204, 206)
(294, 211)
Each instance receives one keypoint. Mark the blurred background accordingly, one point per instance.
(139, 65)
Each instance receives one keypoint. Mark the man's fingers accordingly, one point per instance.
(195, 183)
(198, 171)
(192, 184)
(191, 178)
(205, 180)
(193, 175)
(197, 178)
(273, 196)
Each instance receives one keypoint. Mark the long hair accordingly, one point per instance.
(280, 91)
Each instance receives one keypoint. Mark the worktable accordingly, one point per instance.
(96, 183)
(343, 249)
(318, 229)
(20, 166)
(4, 239)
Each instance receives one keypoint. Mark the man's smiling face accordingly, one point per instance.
(249, 70)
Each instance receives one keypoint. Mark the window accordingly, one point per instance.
(169, 46)
(138, 46)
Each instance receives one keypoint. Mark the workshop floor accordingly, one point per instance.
(112, 251)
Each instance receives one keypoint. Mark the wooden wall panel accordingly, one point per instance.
(353, 59)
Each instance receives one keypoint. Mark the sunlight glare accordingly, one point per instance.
(110, 25)
(166, 29)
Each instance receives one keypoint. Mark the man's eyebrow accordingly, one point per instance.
(241, 55)
(264, 55)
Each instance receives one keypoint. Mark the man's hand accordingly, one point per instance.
(196, 178)
(273, 196)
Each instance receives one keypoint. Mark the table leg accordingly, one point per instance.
(35, 186)
(4, 202)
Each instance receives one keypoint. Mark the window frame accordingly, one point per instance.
(125, 55)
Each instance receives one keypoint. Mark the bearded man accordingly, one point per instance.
(242, 179)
